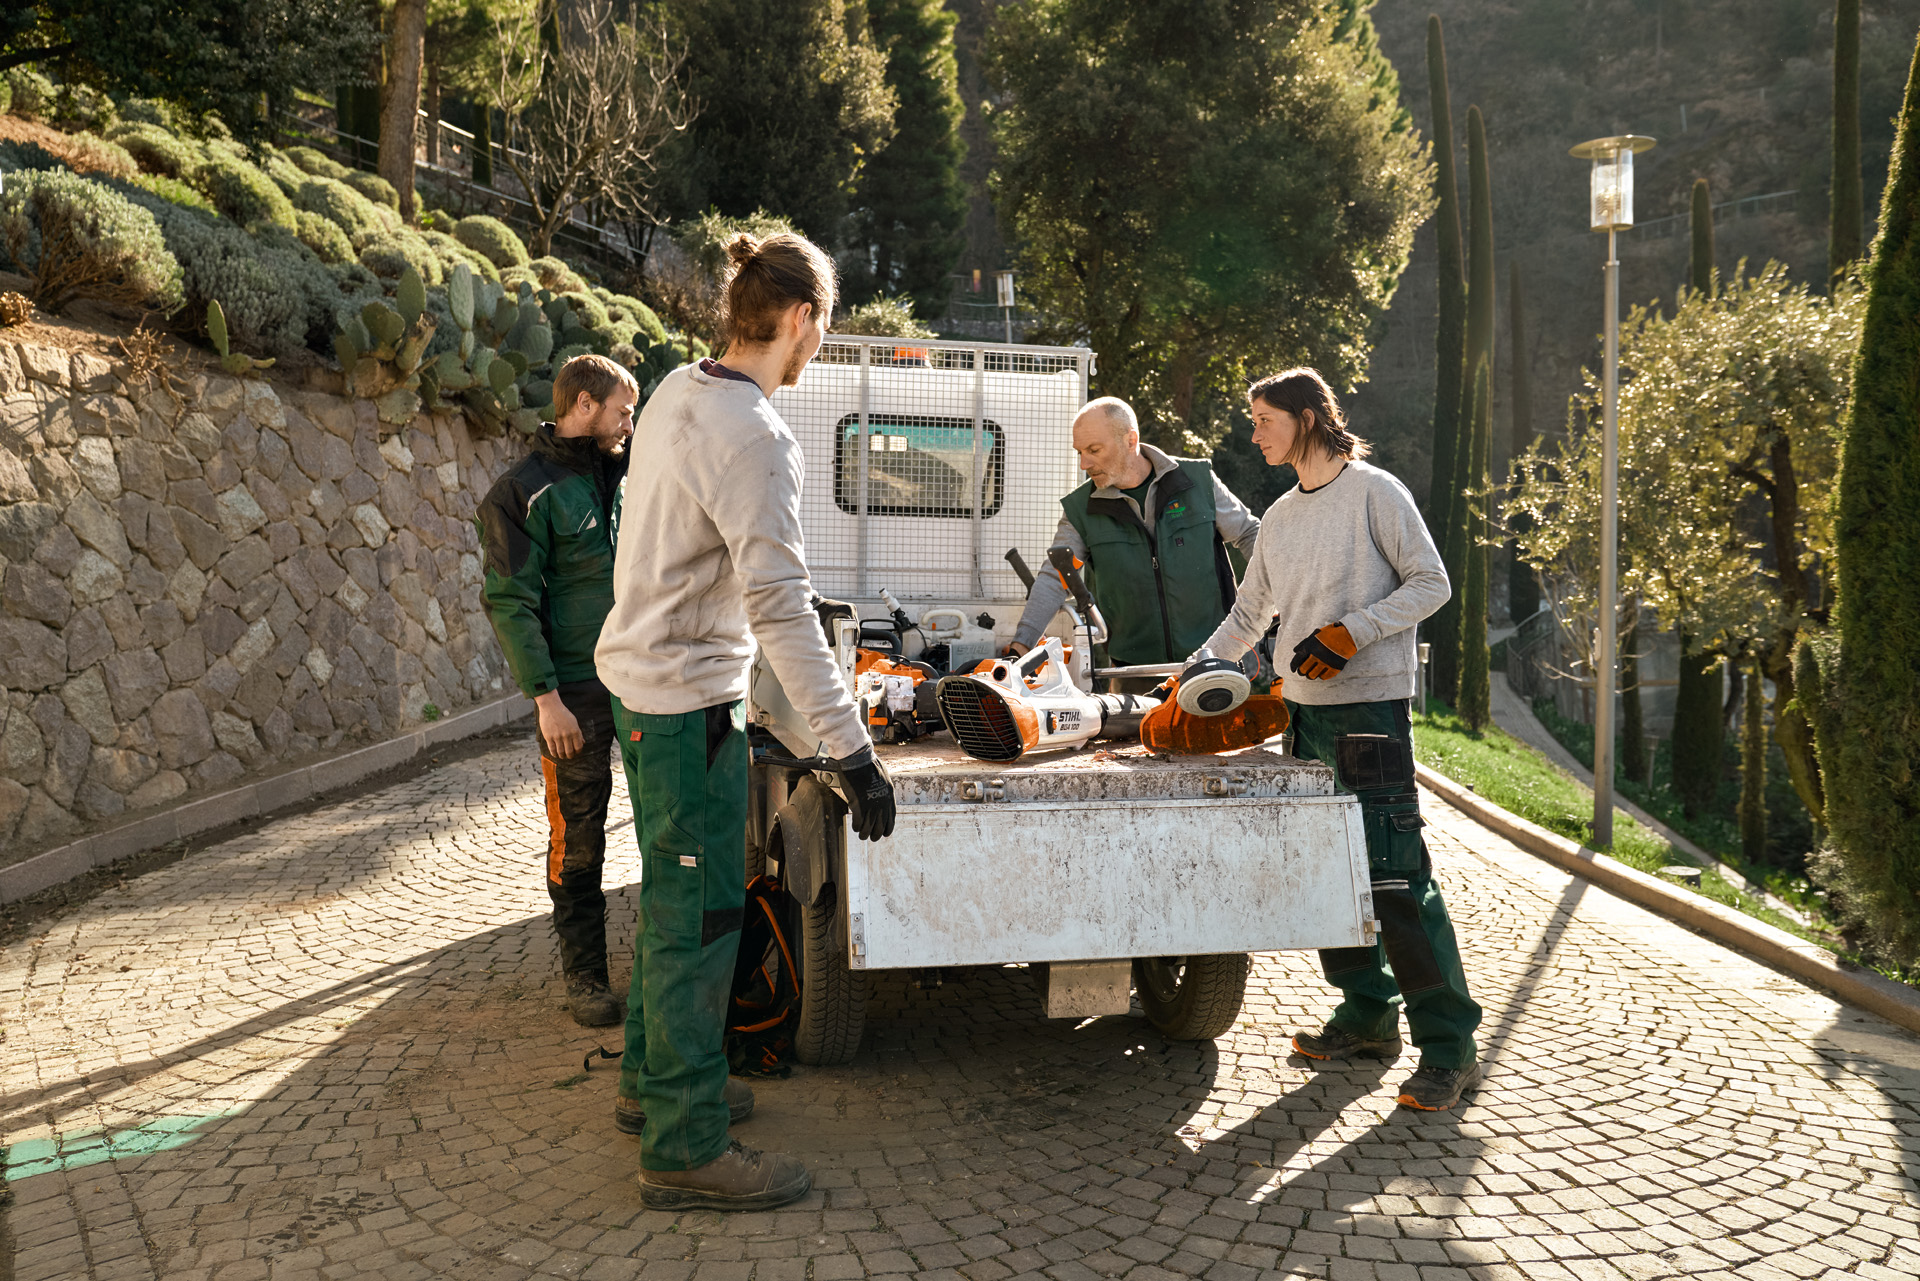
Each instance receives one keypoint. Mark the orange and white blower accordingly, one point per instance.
(1030, 704)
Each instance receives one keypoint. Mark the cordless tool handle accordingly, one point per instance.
(1019, 563)
(1062, 561)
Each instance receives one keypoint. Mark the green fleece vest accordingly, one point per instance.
(1161, 592)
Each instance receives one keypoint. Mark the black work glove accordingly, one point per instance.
(831, 612)
(1166, 689)
(869, 793)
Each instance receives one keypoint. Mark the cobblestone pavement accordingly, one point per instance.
(334, 1047)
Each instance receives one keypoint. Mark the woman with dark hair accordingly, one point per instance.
(1345, 564)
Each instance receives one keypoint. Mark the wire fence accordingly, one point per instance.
(927, 460)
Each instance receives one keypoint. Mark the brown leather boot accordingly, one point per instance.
(630, 1118)
(740, 1178)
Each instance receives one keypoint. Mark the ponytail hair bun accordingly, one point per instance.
(768, 277)
(741, 248)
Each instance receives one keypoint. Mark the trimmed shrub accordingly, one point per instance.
(328, 242)
(317, 163)
(554, 274)
(241, 192)
(6, 105)
(630, 315)
(90, 153)
(278, 297)
(76, 107)
(148, 111)
(286, 175)
(493, 240)
(33, 93)
(881, 318)
(362, 220)
(81, 239)
(451, 253)
(390, 255)
(374, 188)
(169, 189)
(156, 150)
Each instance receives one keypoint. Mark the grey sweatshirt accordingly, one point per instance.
(1353, 552)
(710, 561)
(1238, 528)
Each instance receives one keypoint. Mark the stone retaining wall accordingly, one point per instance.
(200, 584)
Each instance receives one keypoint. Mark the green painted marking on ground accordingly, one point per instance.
(91, 1147)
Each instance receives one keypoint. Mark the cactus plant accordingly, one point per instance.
(233, 362)
(500, 368)
(382, 350)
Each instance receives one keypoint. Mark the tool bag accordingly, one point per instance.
(766, 994)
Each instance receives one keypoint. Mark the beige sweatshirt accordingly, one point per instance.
(709, 561)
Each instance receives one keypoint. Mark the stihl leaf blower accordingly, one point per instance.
(1031, 704)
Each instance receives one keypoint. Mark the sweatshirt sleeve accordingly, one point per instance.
(1252, 610)
(1402, 538)
(756, 508)
(1048, 593)
(1238, 526)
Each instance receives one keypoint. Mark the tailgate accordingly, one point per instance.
(1019, 871)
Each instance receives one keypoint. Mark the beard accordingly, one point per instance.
(608, 434)
(790, 374)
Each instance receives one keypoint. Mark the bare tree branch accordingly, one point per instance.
(587, 123)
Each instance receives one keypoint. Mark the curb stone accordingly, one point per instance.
(250, 800)
(1895, 1002)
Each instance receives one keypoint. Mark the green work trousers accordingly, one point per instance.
(1415, 960)
(687, 775)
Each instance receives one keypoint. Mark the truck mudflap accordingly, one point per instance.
(1104, 856)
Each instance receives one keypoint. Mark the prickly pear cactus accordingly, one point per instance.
(382, 351)
(500, 369)
(233, 362)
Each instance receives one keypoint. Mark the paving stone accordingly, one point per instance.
(357, 1010)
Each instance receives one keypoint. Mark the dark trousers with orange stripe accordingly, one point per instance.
(577, 793)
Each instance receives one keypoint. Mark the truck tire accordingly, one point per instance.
(833, 995)
(1192, 998)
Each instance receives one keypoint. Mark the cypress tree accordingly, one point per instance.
(1872, 762)
(1476, 694)
(1700, 265)
(1753, 773)
(906, 230)
(1449, 339)
(1848, 206)
(1523, 588)
(1699, 723)
(1456, 626)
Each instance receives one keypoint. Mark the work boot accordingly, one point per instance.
(1334, 1042)
(738, 1179)
(591, 1003)
(1435, 1089)
(630, 1118)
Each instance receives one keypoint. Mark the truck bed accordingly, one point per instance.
(1104, 853)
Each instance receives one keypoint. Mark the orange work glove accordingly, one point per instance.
(1323, 655)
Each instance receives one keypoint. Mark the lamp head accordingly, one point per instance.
(1611, 183)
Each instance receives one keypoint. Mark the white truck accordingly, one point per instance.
(1108, 870)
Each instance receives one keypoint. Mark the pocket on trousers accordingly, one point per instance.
(1394, 844)
(674, 882)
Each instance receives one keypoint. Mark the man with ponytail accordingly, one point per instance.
(709, 564)
(1345, 565)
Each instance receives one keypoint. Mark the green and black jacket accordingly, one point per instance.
(547, 531)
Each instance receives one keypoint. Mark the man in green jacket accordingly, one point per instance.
(547, 528)
(1153, 532)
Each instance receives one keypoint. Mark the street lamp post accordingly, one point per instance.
(1612, 212)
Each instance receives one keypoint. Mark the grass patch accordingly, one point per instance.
(1520, 780)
